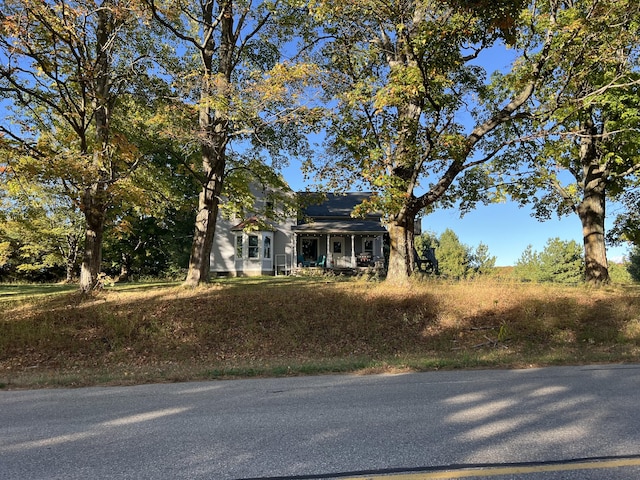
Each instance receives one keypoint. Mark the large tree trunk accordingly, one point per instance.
(208, 201)
(591, 213)
(214, 133)
(591, 209)
(94, 212)
(71, 256)
(94, 199)
(401, 260)
(125, 268)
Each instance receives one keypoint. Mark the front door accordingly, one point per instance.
(309, 251)
(337, 251)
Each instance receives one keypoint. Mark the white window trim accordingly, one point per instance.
(255, 248)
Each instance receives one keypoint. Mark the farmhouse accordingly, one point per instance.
(322, 235)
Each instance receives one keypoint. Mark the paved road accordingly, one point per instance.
(414, 426)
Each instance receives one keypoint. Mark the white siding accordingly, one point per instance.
(223, 252)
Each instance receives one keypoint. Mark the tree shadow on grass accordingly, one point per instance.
(258, 327)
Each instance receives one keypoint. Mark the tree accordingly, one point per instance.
(481, 261)
(401, 76)
(41, 231)
(560, 261)
(634, 263)
(527, 267)
(152, 236)
(580, 138)
(454, 258)
(626, 227)
(65, 65)
(619, 272)
(457, 260)
(424, 242)
(245, 95)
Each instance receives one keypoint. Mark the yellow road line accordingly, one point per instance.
(509, 470)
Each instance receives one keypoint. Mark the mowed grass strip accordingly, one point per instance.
(289, 326)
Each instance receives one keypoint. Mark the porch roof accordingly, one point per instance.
(359, 227)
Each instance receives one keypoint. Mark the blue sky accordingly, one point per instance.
(507, 230)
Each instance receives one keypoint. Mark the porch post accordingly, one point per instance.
(294, 260)
(353, 251)
(328, 261)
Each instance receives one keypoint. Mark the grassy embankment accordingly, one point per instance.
(291, 326)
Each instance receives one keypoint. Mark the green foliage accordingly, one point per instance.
(149, 246)
(626, 227)
(454, 258)
(528, 267)
(633, 267)
(149, 233)
(560, 261)
(481, 261)
(401, 79)
(40, 231)
(619, 273)
(73, 75)
(424, 242)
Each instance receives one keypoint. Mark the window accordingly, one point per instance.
(368, 245)
(254, 251)
(337, 246)
(239, 246)
(266, 247)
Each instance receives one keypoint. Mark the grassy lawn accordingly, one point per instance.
(25, 291)
(136, 333)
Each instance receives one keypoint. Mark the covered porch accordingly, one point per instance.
(338, 245)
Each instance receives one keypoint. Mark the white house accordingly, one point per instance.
(324, 235)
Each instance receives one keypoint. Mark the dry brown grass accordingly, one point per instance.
(296, 326)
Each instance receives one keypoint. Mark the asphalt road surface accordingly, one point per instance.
(551, 423)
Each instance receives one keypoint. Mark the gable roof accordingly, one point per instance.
(332, 204)
(331, 213)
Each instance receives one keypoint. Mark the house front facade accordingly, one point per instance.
(324, 235)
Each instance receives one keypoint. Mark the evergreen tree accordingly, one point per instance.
(560, 261)
(481, 261)
(454, 258)
(527, 267)
(634, 263)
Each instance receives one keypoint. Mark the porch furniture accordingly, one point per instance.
(302, 262)
(364, 259)
(430, 264)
